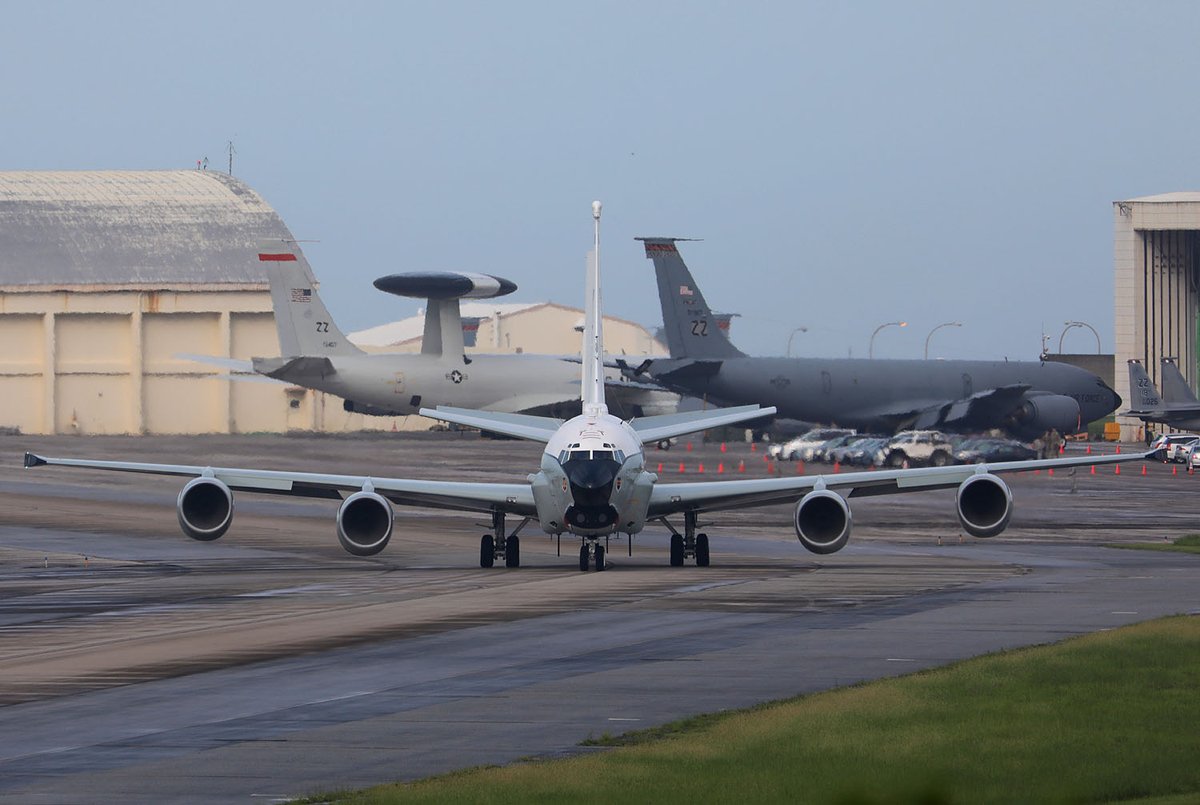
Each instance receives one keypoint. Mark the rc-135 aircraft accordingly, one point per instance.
(593, 481)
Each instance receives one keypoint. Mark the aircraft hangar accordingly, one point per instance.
(1156, 250)
(107, 276)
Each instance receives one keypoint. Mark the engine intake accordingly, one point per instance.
(1044, 412)
(984, 504)
(364, 523)
(205, 509)
(822, 521)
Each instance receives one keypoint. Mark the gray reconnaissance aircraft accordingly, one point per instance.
(1024, 398)
(317, 354)
(1177, 407)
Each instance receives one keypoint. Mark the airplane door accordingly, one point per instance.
(968, 385)
(397, 383)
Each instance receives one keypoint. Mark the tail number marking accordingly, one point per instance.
(322, 327)
(700, 327)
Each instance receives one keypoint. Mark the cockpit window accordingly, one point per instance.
(591, 455)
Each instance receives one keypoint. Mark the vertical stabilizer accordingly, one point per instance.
(1141, 388)
(1175, 388)
(592, 353)
(305, 327)
(688, 322)
(443, 328)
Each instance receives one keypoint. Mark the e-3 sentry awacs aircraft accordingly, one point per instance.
(593, 481)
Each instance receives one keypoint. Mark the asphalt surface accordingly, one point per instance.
(139, 666)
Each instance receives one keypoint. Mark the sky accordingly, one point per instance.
(845, 164)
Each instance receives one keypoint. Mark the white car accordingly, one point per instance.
(917, 448)
(802, 447)
(1175, 444)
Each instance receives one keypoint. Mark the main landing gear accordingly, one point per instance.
(689, 544)
(497, 547)
(590, 551)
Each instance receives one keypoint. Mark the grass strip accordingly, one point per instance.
(1108, 717)
(1187, 544)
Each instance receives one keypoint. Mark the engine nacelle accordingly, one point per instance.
(984, 504)
(822, 521)
(364, 523)
(205, 509)
(1044, 412)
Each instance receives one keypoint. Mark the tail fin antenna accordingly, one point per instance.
(592, 355)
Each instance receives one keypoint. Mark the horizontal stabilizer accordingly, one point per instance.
(294, 369)
(653, 428)
(520, 426)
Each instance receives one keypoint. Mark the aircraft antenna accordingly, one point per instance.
(229, 149)
(592, 354)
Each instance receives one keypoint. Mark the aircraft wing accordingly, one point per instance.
(456, 495)
(702, 496)
(653, 428)
(989, 405)
(521, 426)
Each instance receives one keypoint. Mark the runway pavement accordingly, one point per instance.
(272, 664)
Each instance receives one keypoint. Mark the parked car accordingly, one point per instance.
(978, 451)
(802, 447)
(1174, 443)
(824, 451)
(859, 449)
(918, 448)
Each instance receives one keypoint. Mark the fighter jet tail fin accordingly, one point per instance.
(301, 318)
(691, 329)
(1175, 388)
(1142, 390)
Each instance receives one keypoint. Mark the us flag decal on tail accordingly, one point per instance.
(685, 291)
(301, 294)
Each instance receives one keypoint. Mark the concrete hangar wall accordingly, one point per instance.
(1156, 250)
(106, 276)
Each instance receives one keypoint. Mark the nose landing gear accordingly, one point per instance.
(588, 552)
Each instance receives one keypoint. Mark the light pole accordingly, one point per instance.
(935, 329)
(792, 335)
(1071, 324)
(871, 343)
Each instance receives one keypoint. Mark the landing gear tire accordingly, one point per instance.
(512, 552)
(487, 551)
(600, 565)
(939, 459)
(676, 550)
(583, 557)
(896, 460)
(702, 550)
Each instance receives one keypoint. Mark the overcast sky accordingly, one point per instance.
(846, 164)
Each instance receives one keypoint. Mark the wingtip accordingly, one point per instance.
(32, 460)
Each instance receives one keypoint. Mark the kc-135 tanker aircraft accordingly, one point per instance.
(592, 482)
(1025, 398)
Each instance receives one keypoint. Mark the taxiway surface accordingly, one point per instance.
(271, 664)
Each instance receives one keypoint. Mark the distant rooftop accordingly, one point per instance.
(1178, 197)
(131, 228)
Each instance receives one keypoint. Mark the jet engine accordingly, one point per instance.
(364, 523)
(984, 504)
(1044, 412)
(822, 521)
(205, 508)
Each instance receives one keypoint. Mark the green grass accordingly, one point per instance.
(1188, 544)
(1109, 717)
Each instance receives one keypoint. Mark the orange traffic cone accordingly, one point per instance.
(741, 466)
(837, 467)
(659, 468)
(1118, 470)
(721, 468)
(1174, 470)
(799, 467)
(1093, 469)
(753, 447)
(1143, 469)
(689, 447)
(1118, 450)
(681, 468)
(1089, 450)
(701, 468)
(1050, 472)
(722, 447)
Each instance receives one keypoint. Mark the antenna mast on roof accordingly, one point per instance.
(231, 151)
